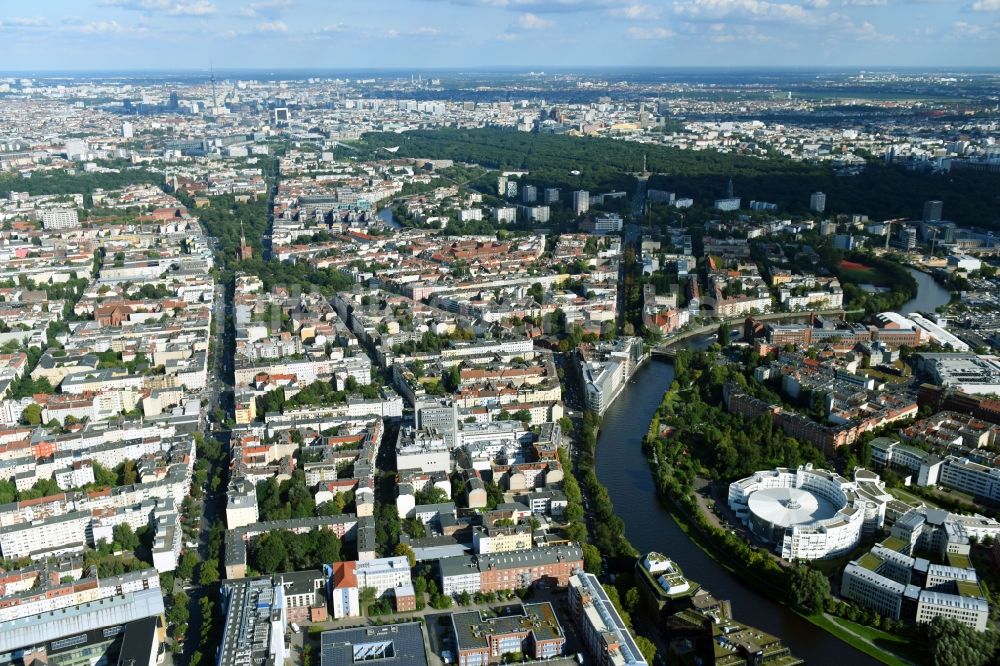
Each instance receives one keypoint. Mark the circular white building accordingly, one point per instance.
(806, 513)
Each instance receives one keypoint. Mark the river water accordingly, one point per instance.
(388, 218)
(930, 295)
(622, 468)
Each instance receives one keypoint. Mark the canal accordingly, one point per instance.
(622, 468)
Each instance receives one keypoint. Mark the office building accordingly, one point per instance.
(602, 629)
(973, 610)
(392, 645)
(864, 584)
(933, 210)
(532, 630)
(804, 513)
(609, 223)
(817, 202)
(77, 150)
(254, 629)
(581, 202)
(897, 585)
(89, 633)
(908, 238)
(968, 373)
(727, 204)
(844, 242)
(384, 574)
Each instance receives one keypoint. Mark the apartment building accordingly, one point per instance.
(509, 571)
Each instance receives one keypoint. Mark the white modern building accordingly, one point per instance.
(727, 204)
(383, 574)
(806, 513)
(54, 219)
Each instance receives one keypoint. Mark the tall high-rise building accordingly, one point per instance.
(908, 238)
(817, 202)
(511, 189)
(581, 202)
(502, 186)
(551, 195)
(127, 130)
(59, 218)
(77, 149)
(529, 194)
(933, 210)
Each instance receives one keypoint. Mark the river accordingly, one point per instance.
(388, 218)
(622, 468)
(930, 295)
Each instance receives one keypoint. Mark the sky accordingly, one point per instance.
(63, 35)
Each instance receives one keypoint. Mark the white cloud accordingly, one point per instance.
(23, 22)
(531, 21)
(636, 12)
(744, 10)
(272, 27)
(724, 33)
(508, 37)
(100, 28)
(649, 33)
(816, 4)
(265, 8)
(168, 7)
(984, 6)
(866, 31)
(422, 31)
(865, 3)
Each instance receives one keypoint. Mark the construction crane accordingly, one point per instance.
(888, 230)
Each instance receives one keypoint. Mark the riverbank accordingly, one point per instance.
(622, 468)
(878, 644)
(886, 647)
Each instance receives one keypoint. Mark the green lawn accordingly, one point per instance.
(860, 275)
(906, 496)
(887, 648)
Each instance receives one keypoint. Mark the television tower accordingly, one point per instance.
(215, 99)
